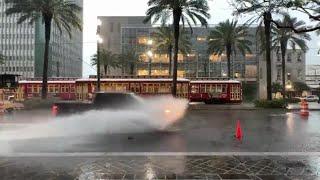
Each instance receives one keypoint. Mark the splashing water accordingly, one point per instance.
(154, 114)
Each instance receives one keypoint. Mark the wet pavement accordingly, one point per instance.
(277, 144)
(200, 131)
(162, 167)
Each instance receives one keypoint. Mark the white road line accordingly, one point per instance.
(103, 154)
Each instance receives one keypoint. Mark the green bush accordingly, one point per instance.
(249, 91)
(277, 103)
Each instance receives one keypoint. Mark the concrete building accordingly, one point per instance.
(313, 76)
(121, 34)
(111, 33)
(295, 69)
(23, 47)
(198, 63)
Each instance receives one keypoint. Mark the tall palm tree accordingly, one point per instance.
(185, 11)
(64, 13)
(229, 38)
(107, 59)
(284, 37)
(129, 59)
(263, 10)
(164, 41)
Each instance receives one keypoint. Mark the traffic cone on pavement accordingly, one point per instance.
(238, 134)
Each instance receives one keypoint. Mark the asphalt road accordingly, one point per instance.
(207, 130)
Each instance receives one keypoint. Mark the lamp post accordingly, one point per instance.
(150, 55)
(99, 41)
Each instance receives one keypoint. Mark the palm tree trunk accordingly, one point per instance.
(283, 66)
(267, 24)
(229, 50)
(132, 68)
(170, 59)
(105, 70)
(176, 25)
(47, 21)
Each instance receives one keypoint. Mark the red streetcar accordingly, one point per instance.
(215, 91)
(63, 89)
(140, 86)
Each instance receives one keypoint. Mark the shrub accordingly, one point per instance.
(249, 91)
(277, 103)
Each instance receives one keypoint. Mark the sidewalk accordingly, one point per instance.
(162, 167)
(313, 106)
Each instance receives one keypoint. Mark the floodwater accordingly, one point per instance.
(200, 130)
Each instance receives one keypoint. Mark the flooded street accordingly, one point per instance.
(201, 130)
(277, 144)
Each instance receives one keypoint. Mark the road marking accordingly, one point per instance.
(106, 154)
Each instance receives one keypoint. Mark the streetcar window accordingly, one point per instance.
(163, 88)
(51, 89)
(57, 88)
(29, 89)
(219, 88)
(224, 88)
(72, 89)
(156, 88)
(150, 88)
(202, 88)
(194, 89)
(35, 89)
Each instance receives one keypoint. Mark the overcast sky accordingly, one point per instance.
(220, 11)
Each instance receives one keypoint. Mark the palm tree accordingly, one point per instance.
(263, 11)
(284, 37)
(64, 13)
(164, 41)
(185, 11)
(228, 37)
(107, 59)
(129, 58)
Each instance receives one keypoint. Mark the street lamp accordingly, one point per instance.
(99, 41)
(150, 42)
(150, 55)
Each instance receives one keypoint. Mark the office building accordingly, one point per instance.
(23, 47)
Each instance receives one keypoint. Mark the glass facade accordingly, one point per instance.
(197, 63)
(23, 47)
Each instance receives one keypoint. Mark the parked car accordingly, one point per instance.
(312, 98)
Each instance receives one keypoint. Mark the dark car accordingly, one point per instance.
(101, 100)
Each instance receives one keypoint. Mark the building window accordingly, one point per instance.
(289, 58)
(111, 27)
(119, 27)
(279, 72)
(278, 57)
(299, 59)
(299, 74)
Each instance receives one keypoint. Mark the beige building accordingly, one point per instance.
(295, 69)
(110, 32)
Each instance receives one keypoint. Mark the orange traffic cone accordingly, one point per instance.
(238, 134)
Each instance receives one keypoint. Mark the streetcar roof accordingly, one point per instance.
(49, 82)
(132, 80)
(214, 81)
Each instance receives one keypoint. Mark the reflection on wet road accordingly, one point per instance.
(207, 130)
